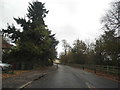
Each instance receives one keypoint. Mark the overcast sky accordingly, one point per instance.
(68, 19)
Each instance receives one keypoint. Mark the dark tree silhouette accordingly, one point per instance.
(34, 42)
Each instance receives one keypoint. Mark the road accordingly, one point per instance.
(69, 77)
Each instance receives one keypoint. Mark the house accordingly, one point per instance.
(5, 45)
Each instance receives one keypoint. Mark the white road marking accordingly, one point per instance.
(89, 85)
(25, 85)
(30, 82)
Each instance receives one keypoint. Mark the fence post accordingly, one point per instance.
(118, 73)
(83, 67)
(94, 68)
(107, 68)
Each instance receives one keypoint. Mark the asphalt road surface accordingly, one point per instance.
(69, 77)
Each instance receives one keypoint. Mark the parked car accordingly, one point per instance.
(5, 66)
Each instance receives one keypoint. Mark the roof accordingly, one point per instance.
(5, 44)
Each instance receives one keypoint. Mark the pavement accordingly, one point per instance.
(69, 77)
(24, 79)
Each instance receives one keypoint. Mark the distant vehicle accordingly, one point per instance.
(4, 66)
(57, 61)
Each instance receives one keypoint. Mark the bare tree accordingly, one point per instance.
(66, 46)
(111, 21)
(111, 36)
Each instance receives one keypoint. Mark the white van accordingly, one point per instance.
(4, 66)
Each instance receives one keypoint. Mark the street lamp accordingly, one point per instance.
(1, 34)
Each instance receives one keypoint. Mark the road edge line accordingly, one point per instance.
(89, 85)
(23, 86)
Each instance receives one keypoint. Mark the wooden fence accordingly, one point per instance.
(115, 70)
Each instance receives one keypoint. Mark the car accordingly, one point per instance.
(4, 66)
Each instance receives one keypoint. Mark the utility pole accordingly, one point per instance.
(0, 45)
(1, 59)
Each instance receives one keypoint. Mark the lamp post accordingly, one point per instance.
(1, 36)
(1, 33)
